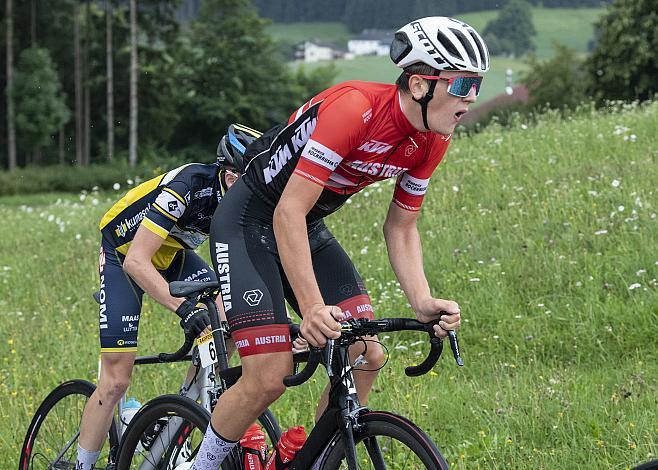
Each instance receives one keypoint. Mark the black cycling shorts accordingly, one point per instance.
(121, 297)
(253, 284)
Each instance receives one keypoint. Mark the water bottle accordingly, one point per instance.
(254, 448)
(291, 441)
(129, 409)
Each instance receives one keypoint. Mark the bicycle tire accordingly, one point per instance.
(146, 432)
(401, 444)
(163, 408)
(65, 421)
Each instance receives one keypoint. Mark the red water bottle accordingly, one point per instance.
(291, 441)
(254, 448)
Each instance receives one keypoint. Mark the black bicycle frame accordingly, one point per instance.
(341, 415)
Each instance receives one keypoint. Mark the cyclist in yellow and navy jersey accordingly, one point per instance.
(148, 240)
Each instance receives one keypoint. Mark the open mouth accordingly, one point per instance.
(459, 114)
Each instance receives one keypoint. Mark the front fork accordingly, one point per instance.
(341, 377)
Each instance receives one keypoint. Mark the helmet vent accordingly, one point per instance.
(445, 42)
(467, 45)
(480, 47)
(400, 47)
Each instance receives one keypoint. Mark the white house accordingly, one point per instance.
(370, 42)
(313, 51)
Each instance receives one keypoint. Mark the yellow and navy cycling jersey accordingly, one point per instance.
(176, 206)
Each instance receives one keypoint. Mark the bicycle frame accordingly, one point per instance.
(341, 415)
(203, 386)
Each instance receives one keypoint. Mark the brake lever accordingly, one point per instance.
(454, 343)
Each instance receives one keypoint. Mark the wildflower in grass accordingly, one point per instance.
(474, 279)
(620, 208)
(615, 183)
(482, 434)
(116, 186)
(364, 250)
(601, 232)
(640, 272)
(634, 286)
(454, 188)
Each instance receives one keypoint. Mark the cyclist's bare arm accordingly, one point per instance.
(289, 221)
(140, 268)
(406, 257)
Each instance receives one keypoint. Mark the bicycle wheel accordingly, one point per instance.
(386, 441)
(271, 427)
(52, 438)
(165, 433)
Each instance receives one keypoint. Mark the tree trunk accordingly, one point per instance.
(133, 84)
(85, 85)
(77, 79)
(110, 80)
(62, 137)
(11, 125)
(33, 23)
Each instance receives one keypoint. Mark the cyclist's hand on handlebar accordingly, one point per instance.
(194, 320)
(448, 310)
(321, 322)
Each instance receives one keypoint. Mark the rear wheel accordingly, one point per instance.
(52, 438)
(386, 441)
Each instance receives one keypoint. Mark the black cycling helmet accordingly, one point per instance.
(231, 147)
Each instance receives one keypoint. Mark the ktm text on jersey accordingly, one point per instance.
(343, 139)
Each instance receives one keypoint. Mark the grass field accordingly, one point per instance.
(293, 33)
(572, 27)
(547, 237)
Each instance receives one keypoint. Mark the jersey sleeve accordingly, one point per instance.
(341, 124)
(167, 208)
(412, 185)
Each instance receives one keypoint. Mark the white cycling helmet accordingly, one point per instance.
(440, 42)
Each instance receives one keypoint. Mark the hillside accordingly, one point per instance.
(572, 27)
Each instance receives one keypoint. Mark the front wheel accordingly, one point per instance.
(165, 433)
(386, 441)
(52, 438)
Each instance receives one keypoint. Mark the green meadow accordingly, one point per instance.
(545, 234)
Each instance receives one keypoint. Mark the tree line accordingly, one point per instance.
(87, 81)
(388, 14)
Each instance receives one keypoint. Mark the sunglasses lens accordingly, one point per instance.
(461, 86)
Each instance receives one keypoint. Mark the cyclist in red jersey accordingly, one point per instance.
(340, 141)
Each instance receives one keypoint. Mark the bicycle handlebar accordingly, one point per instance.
(362, 327)
(180, 354)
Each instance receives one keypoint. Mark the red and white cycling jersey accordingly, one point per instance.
(345, 138)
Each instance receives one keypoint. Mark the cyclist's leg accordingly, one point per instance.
(118, 322)
(245, 260)
(341, 285)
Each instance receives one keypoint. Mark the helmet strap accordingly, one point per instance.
(424, 100)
